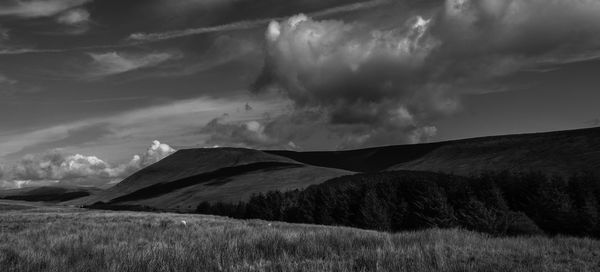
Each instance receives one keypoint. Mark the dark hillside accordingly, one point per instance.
(562, 152)
(362, 160)
(48, 193)
(499, 204)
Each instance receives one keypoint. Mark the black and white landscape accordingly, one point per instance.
(309, 135)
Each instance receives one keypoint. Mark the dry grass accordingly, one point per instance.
(65, 239)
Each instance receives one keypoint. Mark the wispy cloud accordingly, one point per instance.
(168, 121)
(77, 21)
(6, 85)
(3, 34)
(74, 17)
(38, 8)
(250, 24)
(112, 63)
(135, 39)
(5, 80)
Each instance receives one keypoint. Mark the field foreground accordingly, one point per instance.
(35, 238)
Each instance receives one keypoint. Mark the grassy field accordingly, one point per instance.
(34, 238)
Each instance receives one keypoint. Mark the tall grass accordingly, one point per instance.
(62, 240)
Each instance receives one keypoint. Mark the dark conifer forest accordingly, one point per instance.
(495, 203)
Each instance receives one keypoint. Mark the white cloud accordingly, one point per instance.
(38, 8)
(74, 17)
(112, 63)
(56, 166)
(76, 21)
(156, 152)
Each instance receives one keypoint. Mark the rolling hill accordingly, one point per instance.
(188, 177)
(182, 180)
(48, 193)
(558, 153)
(561, 152)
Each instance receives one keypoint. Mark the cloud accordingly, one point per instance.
(156, 152)
(38, 8)
(74, 17)
(112, 63)
(242, 25)
(119, 135)
(249, 134)
(364, 80)
(55, 165)
(6, 80)
(7, 85)
(77, 21)
(4, 37)
(4, 34)
(58, 167)
(594, 122)
(386, 77)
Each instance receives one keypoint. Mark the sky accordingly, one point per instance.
(94, 90)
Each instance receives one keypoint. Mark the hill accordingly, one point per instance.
(182, 180)
(558, 153)
(188, 177)
(561, 152)
(49, 193)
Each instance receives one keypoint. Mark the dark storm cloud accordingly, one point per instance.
(384, 78)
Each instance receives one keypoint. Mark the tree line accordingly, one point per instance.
(494, 203)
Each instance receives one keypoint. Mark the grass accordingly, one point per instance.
(70, 239)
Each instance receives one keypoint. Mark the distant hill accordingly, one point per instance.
(188, 177)
(562, 152)
(182, 180)
(48, 193)
(557, 153)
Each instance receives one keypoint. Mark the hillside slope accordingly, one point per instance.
(185, 194)
(49, 193)
(561, 152)
(225, 174)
